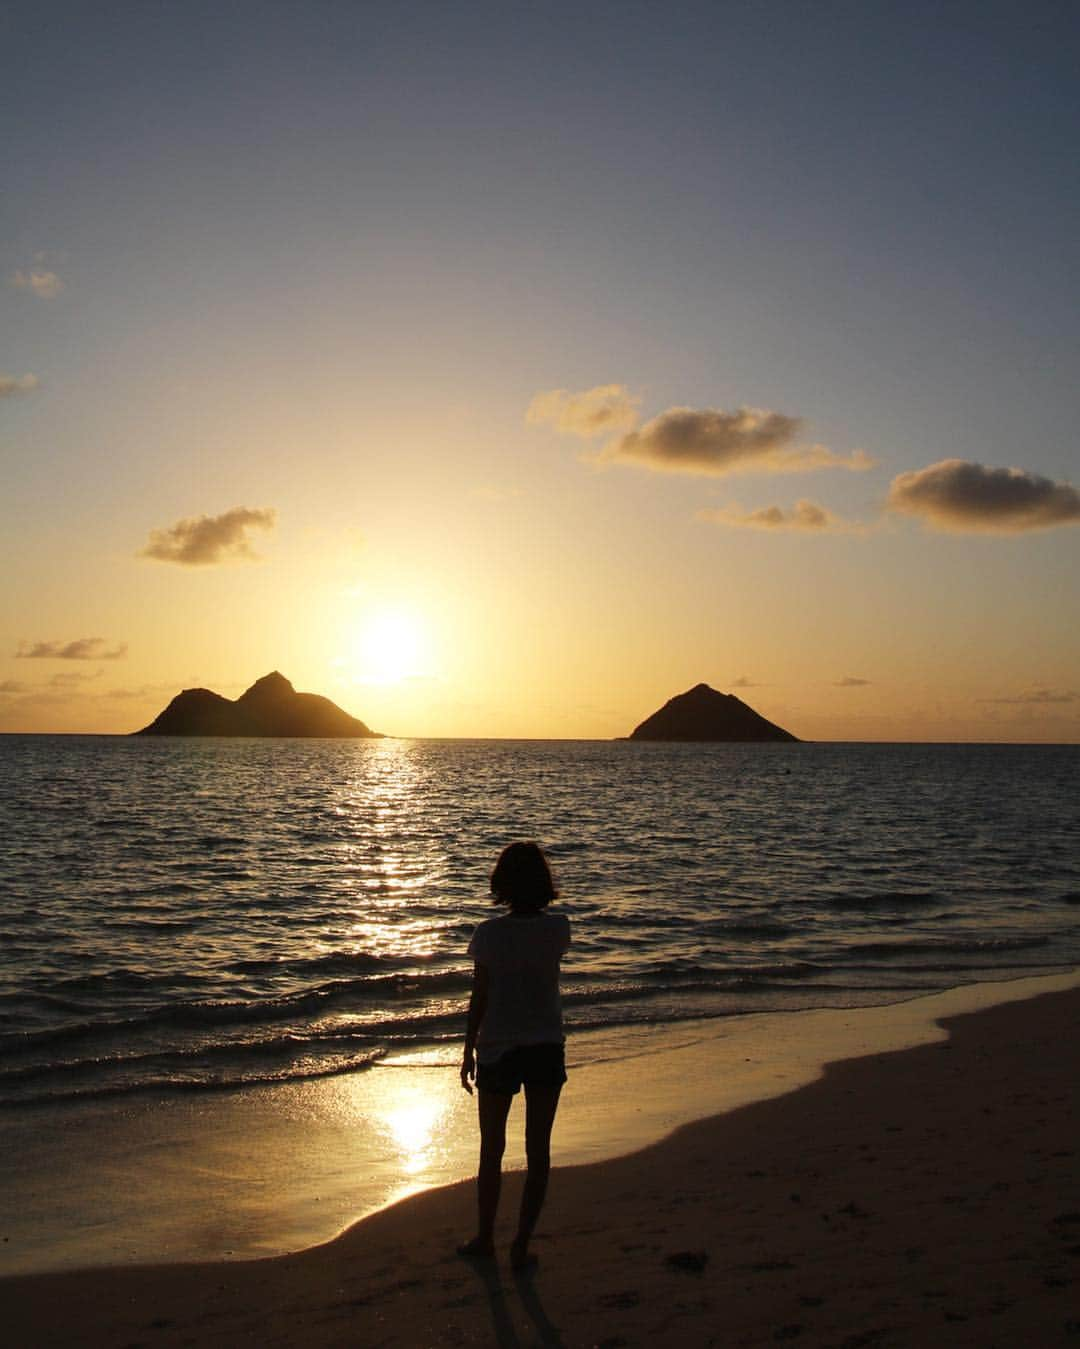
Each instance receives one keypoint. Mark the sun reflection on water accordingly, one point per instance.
(410, 1120)
(384, 860)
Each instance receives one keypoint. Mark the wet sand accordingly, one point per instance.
(924, 1197)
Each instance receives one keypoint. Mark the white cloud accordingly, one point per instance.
(804, 517)
(14, 384)
(593, 412)
(44, 284)
(956, 495)
(203, 540)
(82, 648)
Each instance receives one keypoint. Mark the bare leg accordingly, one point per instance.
(493, 1110)
(540, 1106)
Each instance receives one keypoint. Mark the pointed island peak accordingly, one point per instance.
(272, 685)
(271, 707)
(704, 714)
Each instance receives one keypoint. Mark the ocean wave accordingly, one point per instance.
(111, 981)
(378, 995)
(334, 895)
(885, 899)
(199, 1058)
(166, 1082)
(345, 963)
(946, 945)
(150, 922)
(752, 931)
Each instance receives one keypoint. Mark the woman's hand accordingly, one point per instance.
(468, 1070)
(477, 1007)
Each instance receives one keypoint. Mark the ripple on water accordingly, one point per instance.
(163, 901)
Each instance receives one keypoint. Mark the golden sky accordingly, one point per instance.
(510, 381)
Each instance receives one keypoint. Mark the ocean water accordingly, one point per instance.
(192, 915)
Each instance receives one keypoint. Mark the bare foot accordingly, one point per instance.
(477, 1250)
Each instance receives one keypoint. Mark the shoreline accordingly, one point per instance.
(864, 1181)
(926, 1194)
(270, 1171)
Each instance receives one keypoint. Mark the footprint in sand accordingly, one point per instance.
(691, 1262)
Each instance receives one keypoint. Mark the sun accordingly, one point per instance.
(391, 645)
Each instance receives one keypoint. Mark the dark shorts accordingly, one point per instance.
(533, 1065)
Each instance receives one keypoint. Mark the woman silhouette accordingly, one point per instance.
(514, 1037)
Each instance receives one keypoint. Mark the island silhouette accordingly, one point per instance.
(701, 713)
(271, 707)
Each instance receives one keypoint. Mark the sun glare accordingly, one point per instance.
(390, 646)
(412, 1128)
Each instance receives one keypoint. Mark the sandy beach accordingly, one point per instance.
(927, 1196)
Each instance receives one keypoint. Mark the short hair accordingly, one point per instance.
(522, 877)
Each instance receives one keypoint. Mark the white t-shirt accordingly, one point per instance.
(521, 952)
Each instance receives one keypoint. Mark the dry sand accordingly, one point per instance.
(927, 1197)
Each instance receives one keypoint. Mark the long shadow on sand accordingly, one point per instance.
(502, 1321)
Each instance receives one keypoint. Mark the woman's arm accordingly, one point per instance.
(477, 1007)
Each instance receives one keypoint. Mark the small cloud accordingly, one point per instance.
(851, 682)
(40, 697)
(743, 683)
(713, 443)
(13, 686)
(44, 284)
(83, 648)
(202, 540)
(702, 441)
(139, 694)
(73, 678)
(15, 384)
(958, 496)
(804, 516)
(1038, 697)
(593, 412)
